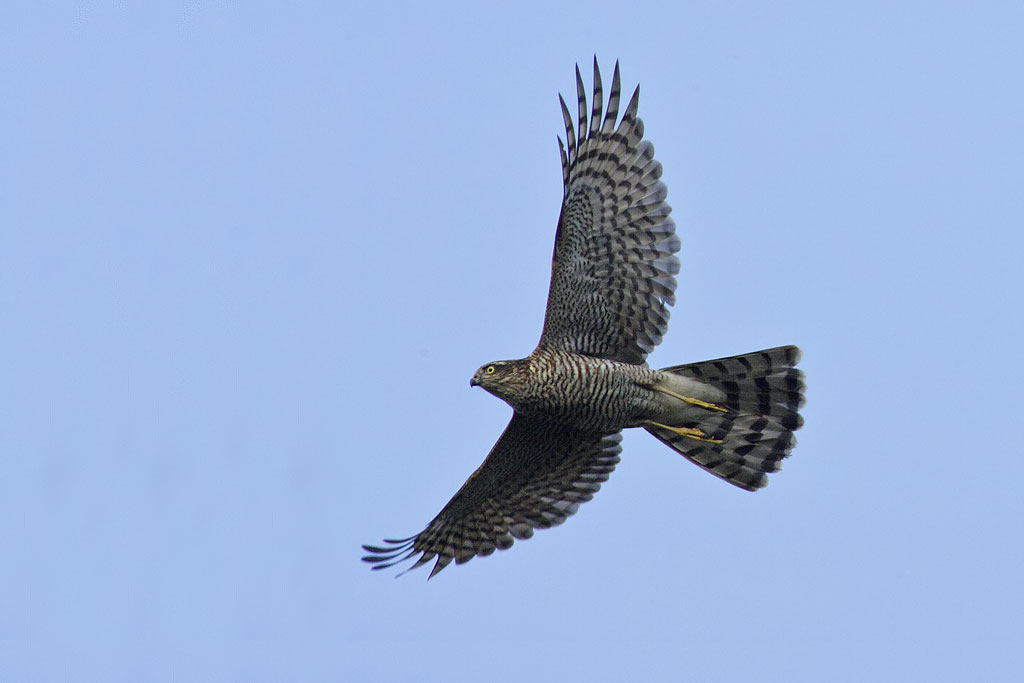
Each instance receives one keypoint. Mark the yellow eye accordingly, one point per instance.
(489, 370)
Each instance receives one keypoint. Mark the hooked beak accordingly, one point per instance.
(473, 382)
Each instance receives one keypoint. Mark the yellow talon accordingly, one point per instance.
(692, 401)
(688, 432)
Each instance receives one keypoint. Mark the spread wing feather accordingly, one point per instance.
(612, 274)
(535, 477)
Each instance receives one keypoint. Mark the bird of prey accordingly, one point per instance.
(612, 277)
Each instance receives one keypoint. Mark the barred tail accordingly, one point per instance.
(763, 395)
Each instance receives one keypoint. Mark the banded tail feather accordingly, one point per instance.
(763, 395)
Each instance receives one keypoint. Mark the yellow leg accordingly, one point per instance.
(688, 432)
(691, 401)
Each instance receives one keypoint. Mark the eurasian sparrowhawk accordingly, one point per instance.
(612, 277)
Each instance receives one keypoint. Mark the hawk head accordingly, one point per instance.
(503, 378)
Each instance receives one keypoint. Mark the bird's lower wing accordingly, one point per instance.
(536, 475)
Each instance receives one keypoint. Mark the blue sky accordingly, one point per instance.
(250, 256)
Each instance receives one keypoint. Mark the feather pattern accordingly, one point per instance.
(535, 477)
(614, 260)
(763, 396)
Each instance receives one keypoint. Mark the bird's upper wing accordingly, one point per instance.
(536, 475)
(614, 260)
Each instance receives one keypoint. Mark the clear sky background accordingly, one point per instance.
(250, 256)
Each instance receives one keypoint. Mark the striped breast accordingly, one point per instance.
(593, 394)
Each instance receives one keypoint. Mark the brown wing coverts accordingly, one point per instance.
(535, 477)
(614, 258)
